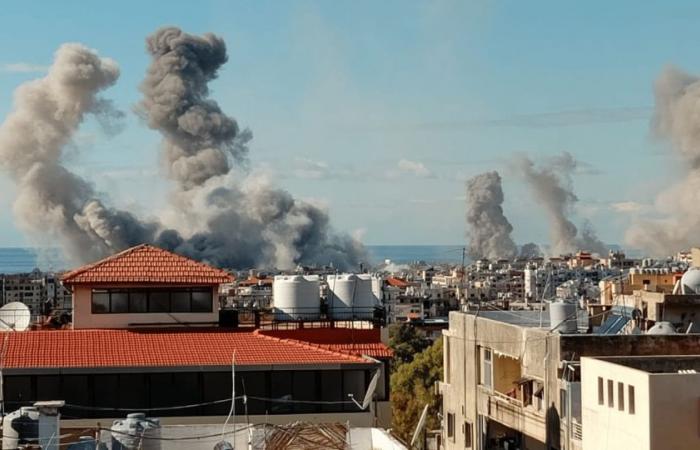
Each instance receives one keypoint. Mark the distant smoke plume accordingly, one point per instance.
(53, 203)
(676, 119)
(530, 250)
(551, 186)
(233, 219)
(489, 230)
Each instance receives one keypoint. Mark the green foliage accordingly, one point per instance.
(412, 387)
(407, 342)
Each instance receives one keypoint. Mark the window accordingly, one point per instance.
(122, 301)
(486, 369)
(611, 398)
(451, 426)
(630, 399)
(601, 391)
(620, 396)
(467, 435)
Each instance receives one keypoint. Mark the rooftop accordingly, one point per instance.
(351, 341)
(66, 349)
(657, 363)
(146, 264)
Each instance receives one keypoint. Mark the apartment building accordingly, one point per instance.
(510, 382)
(641, 403)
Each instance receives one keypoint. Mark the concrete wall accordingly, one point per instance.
(674, 405)
(606, 428)
(84, 318)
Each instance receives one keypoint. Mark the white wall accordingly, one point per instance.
(606, 428)
(84, 318)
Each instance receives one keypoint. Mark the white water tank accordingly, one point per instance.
(562, 317)
(296, 297)
(20, 427)
(350, 296)
(377, 283)
(690, 281)
(136, 432)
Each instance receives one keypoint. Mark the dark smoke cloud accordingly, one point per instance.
(489, 229)
(530, 250)
(241, 222)
(551, 185)
(54, 205)
(676, 120)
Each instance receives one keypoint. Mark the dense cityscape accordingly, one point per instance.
(167, 282)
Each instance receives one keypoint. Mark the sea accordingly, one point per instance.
(23, 259)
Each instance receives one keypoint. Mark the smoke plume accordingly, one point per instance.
(53, 204)
(234, 219)
(551, 185)
(489, 229)
(676, 120)
(530, 250)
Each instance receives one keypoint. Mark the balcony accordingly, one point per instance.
(512, 413)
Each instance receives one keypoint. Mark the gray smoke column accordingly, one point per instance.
(550, 183)
(238, 220)
(489, 229)
(54, 205)
(677, 121)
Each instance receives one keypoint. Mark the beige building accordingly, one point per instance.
(641, 403)
(509, 380)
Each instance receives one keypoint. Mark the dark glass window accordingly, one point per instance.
(177, 300)
(255, 386)
(180, 301)
(281, 392)
(159, 301)
(217, 386)
(138, 301)
(17, 391)
(48, 387)
(119, 301)
(353, 384)
(100, 302)
(305, 388)
(201, 301)
(331, 390)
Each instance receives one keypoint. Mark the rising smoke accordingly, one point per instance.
(489, 229)
(551, 185)
(220, 215)
(677, 120)
(53, 204)
(241, 222)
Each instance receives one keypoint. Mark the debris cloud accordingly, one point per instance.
(240, 219)
(675, 224)
(489, 230)
(54, 204)
(551, 185)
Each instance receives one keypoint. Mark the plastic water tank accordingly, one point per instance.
(690, 281)
(562, 317)
(296, 297)
(350, 296)
(136, 432)
(661, 328)
(20, 427)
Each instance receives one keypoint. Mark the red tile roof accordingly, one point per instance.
(146, 264)
(159, 348)
(397, 282)
(346, 340)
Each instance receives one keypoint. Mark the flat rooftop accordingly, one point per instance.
(657, 364)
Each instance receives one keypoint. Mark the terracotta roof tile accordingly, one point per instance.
(149, 265)
(159, 348)
(397, 282)
(346, 340)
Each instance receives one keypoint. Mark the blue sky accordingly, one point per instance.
(381, 110)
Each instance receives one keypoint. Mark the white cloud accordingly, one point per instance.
(23, 67)
(628, 207)
(416, 168)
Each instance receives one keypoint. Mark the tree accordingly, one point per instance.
(412, 387)
(406, 342)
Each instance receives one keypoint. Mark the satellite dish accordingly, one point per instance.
(370, 390)
(420, 426)
(14, 316)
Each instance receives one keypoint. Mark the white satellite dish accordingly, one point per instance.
(369, 394)
(420, 426)
(14, 316)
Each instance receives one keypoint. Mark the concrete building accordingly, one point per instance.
(510, 380)
(641, 403)
(145, 337)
